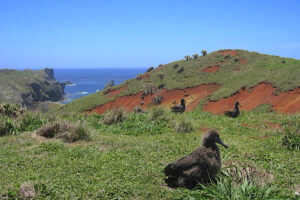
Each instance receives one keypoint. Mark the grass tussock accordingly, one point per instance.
(68, 131)
(11, 110)
(291, 137)
(157, 113)
(183, 126)
(113, 116)
(226, 189)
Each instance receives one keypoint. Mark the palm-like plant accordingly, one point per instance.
(195, 56)
(204, 52)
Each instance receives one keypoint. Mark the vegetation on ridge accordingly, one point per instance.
(240, 70)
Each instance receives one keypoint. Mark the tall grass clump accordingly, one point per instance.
(11, 110)
(157, 113)
(7, 126)
(113, 116)
(291, 137)
(183, 126)
(66, 130)
(225, 189)
(30, 121)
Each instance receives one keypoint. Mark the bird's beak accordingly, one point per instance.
(222, 143)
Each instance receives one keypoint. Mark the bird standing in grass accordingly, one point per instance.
(235, 112)
(201, 166)
(179, 108)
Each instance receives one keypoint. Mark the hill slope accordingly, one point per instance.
(252, 78)
(29, 86)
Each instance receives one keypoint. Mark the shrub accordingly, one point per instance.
(204, 52)
(75, 133)
(195, 56)
(157, 100)
(150, 69)
(7, 127)
(161, 77)
(149, 89)
(180, 70)
(283, 61)
(138, 109)
(175, 66)
(157, 113)
(183, 126)
(11, 110)
(291, 137)
(187, 57)
(114, 116)
(30, 121)
(68, 131)
(225, 188)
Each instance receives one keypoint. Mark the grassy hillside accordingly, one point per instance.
(237, 69)
(125, 160)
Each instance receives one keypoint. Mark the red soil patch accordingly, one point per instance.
(228, 52)
(147, 75)
(115, 92)
(237, 69)
(250, 98)
(243, 61)
(273, 125)
(192, 95)
(211, 69)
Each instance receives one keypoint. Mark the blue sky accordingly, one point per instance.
(141, 33)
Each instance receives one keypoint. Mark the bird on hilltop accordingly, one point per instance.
(201, 166)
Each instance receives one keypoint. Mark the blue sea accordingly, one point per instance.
(88, 81)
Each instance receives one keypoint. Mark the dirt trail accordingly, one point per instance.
(286, 102)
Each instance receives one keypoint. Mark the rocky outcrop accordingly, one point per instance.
(30, 86)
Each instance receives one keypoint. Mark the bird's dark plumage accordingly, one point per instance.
(200, 166)
(235, 112)
(179, 108)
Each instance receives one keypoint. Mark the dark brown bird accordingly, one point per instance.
(235, 112)
(201, 166)
(179, 108)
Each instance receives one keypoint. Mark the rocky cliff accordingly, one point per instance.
(29, 86)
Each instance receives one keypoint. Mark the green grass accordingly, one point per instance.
(258, 68)
(126, 160)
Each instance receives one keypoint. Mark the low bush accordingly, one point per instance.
(7, 126)
(157, 113)
(183, 126)
(225, 189)
(180, 70)
(11, 110)
(157, 100)
(30, 121)
(66, 130)
(291, 137)
(175, 66)
(113, 116)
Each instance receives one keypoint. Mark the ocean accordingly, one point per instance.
(88, 81)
